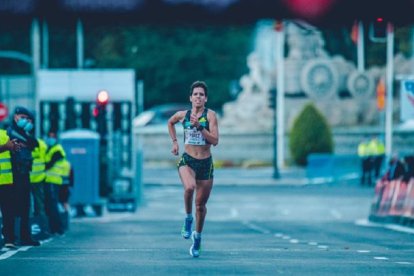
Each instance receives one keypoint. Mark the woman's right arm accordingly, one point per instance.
(177, 117)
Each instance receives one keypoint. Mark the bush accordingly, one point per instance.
(310, 134)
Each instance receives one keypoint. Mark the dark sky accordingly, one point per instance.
(333, 11)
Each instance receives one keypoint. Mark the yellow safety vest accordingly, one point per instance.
(6, 174)
(38, 173)
(363, 149)
(65, 166)
(54, 174)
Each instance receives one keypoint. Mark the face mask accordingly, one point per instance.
(22, 122)
(28, 127)
(50, 141)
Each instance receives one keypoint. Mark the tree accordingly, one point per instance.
(170, 58)
(310, 134)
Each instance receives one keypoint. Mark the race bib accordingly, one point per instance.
(194, 137)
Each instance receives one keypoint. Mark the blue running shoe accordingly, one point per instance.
(195, 248)
(186, 230)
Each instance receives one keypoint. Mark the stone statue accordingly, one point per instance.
(310, 75)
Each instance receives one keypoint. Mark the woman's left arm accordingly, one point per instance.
(211, 135)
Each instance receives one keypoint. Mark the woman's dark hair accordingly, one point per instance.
(201, 84)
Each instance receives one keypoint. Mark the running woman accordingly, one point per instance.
(195, 166)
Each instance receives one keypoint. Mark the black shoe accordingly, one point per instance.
(29, 243)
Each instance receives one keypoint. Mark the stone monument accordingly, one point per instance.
(311, 75)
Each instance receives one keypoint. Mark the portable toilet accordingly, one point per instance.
(82, 151)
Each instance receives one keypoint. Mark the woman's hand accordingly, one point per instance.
(194, 120)
(175, 148)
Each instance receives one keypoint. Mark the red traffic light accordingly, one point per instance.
(103, 97)
(380, 19)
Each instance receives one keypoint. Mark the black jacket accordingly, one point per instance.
(22, 160)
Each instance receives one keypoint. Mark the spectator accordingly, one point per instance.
(395, 169)
(366, 164)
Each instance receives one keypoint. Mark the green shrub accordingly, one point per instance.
(310, 134)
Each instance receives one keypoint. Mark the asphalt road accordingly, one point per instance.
(266, 230)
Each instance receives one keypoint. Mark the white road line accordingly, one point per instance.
(8, 254)
(278, 235)
(294, 241)
(234, 213)
(286, 237)
(323, 246)
(256, 228)
(285, 212)
(380, 258)
(395, 227)
(312, 243)
(404, 263)
(336, 214)
(363, 251)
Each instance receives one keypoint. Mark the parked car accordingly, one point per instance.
(159, 114)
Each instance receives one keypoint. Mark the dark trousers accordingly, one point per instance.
(38, 191)
(367, 165)
(7, 202)
(52, 212)
(22, 203)
(378, 159)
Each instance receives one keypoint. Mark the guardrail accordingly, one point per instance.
(393, 202)
(334, 166)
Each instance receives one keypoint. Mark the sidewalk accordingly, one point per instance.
(295, 176)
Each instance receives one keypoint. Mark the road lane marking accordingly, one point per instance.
(278, 235)
(256, 227)
(323, 246)
(404, 263)
(336, 214)
(363, 251)
(8, 254)
(312, 243)
(294, 241)
(381, 258)
(399, 228)
(234, 213)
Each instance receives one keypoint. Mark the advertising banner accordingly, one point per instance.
(407, 100)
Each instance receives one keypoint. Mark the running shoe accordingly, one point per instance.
(186, 230)
(195, 248)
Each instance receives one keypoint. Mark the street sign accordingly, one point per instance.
(4, 111)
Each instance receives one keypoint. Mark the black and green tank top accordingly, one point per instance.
(192, 136)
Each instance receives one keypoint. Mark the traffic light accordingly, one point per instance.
(102, 100)
(272, 98)
(378, 30)
(99, 111)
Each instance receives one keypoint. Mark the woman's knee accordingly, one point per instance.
(189, 189)
(201, 208)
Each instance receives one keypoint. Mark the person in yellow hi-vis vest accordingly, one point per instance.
(366, 162)
(377, 150)
(55, 168)
(67, 182)
(37, 180)
(7, 193)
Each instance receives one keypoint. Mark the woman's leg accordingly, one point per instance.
(187, 176)
(203, 190)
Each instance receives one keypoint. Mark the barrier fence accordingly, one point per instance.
(393, 202)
